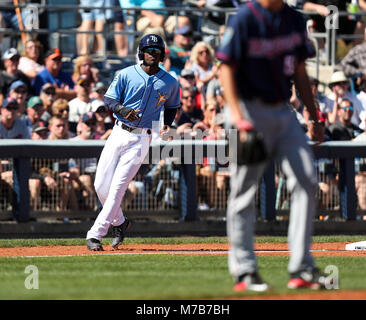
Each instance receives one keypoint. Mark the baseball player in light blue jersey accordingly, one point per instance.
(137, 95)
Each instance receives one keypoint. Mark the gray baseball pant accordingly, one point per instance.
(285, 140)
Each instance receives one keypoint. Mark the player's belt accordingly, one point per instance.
(131, 129)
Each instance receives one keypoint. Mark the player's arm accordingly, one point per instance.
(127, 113)
(303, 85)
(231, 96)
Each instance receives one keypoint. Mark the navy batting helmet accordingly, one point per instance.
(151, 40)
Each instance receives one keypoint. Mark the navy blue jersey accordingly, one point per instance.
(264, 47)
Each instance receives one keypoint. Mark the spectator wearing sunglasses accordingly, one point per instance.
(190, 114)
(203, 65)
(103, 129)
(11, 72)
(34, 113)
(98, 91)
(61, 109)
(343, 128)
(48, 97)
(340, 87)
(53, 74)
(19, 92)
(180, 51)
(11, 127)
(187, 79)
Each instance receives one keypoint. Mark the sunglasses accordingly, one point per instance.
(203, 51)
(12, 108)
(61, 110)
(21, 91)
(187, 97)
(50, 92)
(188, 34)
(189, 77)
(152, 51)
(15, 59)
(33, 47)
(101, 91)
(91, 123)
(101, 110)
(347, 108)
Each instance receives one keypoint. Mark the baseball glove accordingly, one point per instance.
(252, 151)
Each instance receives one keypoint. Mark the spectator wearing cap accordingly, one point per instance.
(39, 131)
(187, 79)
(19, 91)
(180, 51)
(11, 72)
(343, 128)
(339, 85)
(86, 126)
(34, 112)
(53, 74)
(11, 127)
(48, 96)
(103, 128)
(98, 91)
(81, 103)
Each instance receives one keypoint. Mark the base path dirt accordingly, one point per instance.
(276, 249)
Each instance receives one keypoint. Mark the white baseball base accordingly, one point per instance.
(361, 245)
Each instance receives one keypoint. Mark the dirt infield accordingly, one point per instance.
(318, 249)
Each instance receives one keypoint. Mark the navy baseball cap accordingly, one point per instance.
(185, 29)
(7, 103)
(17, 84)
(39, 127)
(88, 116)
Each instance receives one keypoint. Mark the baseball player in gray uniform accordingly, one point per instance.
(265, 46)
(137, 95)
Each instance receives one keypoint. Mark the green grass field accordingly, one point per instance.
(160, 277)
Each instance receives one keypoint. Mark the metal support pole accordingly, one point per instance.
(188, 197)
(268, 193)
(21, 198)
(334, 46)
(347, 190)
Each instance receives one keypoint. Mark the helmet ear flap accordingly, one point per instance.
(162, 56)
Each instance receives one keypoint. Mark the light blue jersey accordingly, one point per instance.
(135, 89)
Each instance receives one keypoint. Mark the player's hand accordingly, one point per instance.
(317, 131)
(50, 183)
(133, 115)
(164, 132)
(243, 126)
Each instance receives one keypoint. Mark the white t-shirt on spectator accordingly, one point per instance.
(77, 109)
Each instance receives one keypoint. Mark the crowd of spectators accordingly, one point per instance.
(41, 101)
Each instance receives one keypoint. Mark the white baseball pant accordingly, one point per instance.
(119, 162)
